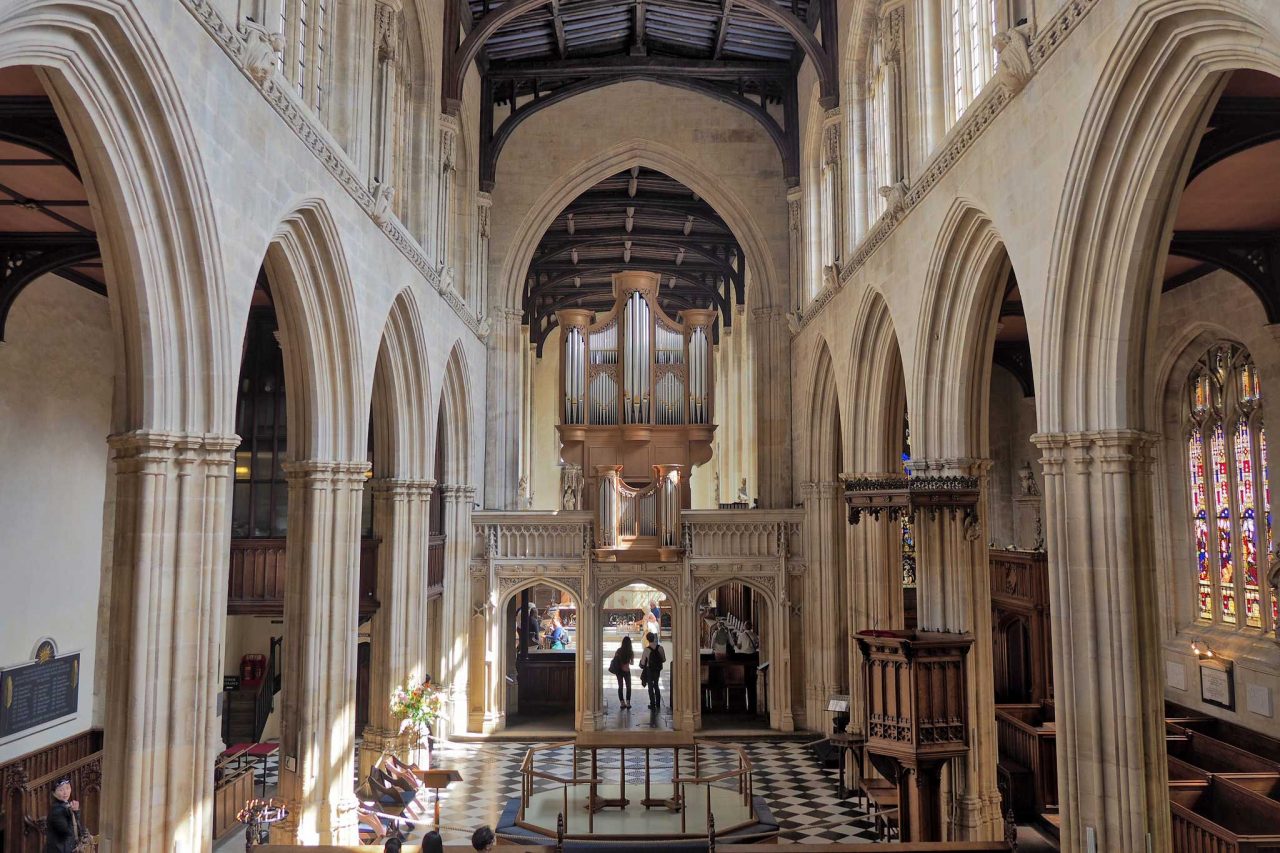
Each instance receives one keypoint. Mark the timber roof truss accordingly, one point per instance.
(533, 54)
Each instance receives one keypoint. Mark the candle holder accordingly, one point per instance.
(258, 817)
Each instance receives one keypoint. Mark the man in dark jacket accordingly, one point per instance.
(63, 827)
(654, 660)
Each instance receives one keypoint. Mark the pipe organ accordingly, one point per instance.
(637, 415)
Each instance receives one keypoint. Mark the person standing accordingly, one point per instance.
(655, 657)
(63, 828)
(620, 666)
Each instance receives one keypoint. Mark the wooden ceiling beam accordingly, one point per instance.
(558, 22)
(704, 69)
(723, 29)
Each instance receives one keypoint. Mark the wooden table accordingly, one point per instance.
(622, 741)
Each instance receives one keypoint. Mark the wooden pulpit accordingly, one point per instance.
(915, 682)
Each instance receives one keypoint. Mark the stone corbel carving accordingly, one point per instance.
(571, 484)
(259, 51)
(895, 196)
(831, 275)
(1015, 66)
(384, 197)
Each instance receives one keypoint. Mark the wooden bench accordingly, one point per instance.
(1224, 817)
(1232, 735)
(1027, 738)
(230, 793)
(1214, 756)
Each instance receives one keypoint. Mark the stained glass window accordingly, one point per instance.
(1200, 524)
(1222, 503)
(1231, 523)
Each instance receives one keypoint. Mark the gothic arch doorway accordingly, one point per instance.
(542, 674)
(735, 625)
(633, 612)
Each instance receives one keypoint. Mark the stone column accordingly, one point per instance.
(398, 631)
(504, 409)
(822, 637)
(166, 624)
(445, 191)
(457, 602)
(954, 594)
(772, 406)
(795, 249)
(348, 102)
(1112, 774)
(932, 71)
(484, 211)
(833, 189)
(321, 600)
(386, 39)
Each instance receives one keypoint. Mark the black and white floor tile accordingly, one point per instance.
(801, 793)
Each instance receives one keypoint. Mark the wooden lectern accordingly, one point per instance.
(916, 683)
(437, 779)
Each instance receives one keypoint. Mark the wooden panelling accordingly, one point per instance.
(1020, 626)
(546, 682)
(230, 795)
(27, 801)
(256, 577)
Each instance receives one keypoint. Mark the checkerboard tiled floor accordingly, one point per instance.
(800, 792)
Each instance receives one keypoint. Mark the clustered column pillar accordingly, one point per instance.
(321, 601)
(954, 582)
(823, 594)
(457, 601)
(1112, 774)
(398, 631)
(168, 614)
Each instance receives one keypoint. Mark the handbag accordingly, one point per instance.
(614, 668)
(644, 678)
(84, 843)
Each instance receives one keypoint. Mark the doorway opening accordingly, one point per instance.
(634, 612)
(732, 662)
(542, 630)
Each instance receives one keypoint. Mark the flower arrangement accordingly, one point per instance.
(418, 706)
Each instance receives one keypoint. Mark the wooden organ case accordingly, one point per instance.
(637, 416)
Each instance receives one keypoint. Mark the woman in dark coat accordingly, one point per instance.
(63, 828)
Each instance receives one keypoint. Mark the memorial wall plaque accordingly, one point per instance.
(40, 692)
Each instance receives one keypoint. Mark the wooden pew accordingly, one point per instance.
(1232, 735)
(230, 793)
(1214, 756)
(1222, 817)
(1028, 748)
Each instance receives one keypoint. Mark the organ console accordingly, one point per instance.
(638, 412)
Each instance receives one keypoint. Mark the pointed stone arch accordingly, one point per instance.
(1130, 162)
(404, 431)
(826, 446)
(133, 143)
(457, 421)
(319, 333)
(949, 388)
(132, 138)
(878, 383)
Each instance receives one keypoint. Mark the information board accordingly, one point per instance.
(38, 692)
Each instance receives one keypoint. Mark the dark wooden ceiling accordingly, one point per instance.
(45, 223)
(639, 219)
(533, 54)
(700, 29)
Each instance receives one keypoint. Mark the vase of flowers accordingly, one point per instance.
(420, 707)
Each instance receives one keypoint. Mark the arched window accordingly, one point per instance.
(306, 27)
(971, 56)
(1229, 494)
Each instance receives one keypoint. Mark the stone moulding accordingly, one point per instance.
(991, 102)
(243, 51)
